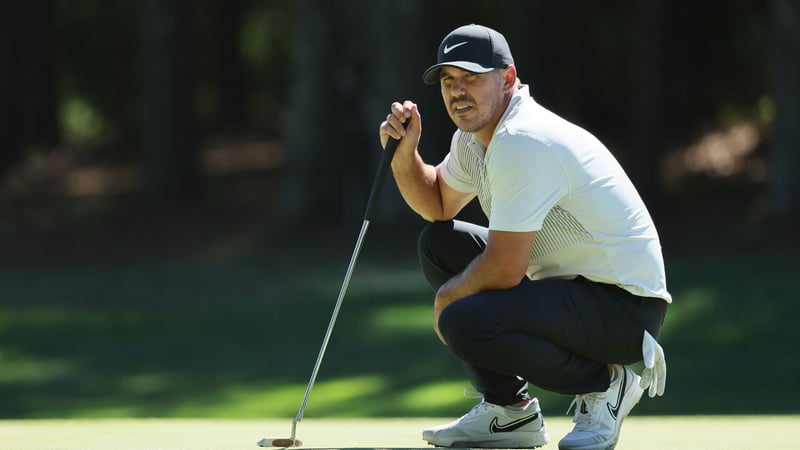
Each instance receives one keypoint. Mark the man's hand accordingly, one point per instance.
(404, 122)
(502, 265)
(654, 375)
(438, 306)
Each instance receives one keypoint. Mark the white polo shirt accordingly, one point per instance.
(542, 173)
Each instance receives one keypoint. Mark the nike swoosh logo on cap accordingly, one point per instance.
(449, 49)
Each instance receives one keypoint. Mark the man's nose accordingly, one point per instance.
(457, 89)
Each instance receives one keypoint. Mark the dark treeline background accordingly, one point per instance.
(158, 106)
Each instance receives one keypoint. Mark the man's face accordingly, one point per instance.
(473, 100)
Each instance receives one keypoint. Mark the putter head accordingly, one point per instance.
(280, 442)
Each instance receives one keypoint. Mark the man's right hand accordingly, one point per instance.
(403, 122)
(418, 181)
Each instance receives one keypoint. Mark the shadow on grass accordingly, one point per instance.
(237, 337)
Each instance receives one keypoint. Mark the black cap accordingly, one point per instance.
(473, 48)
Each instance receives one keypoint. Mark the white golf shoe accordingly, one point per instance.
(492, 426)
(599, 416)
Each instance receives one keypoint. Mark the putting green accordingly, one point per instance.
(648, 433)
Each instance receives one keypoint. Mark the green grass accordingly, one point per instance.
(640, 433)
(233, 334)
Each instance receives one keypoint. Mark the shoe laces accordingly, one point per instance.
(478, 409)
(586, 416)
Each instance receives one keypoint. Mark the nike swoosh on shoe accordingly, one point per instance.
(614, 410)
(495, 427)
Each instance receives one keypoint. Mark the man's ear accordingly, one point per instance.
(510, 77)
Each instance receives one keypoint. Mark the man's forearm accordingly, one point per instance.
(419, 185)
(479, 276)
(501, 265)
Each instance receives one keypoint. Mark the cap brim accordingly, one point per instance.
(431, 76)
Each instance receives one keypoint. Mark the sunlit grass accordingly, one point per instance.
(443, 395)
(237, 339)
(403, 319)
(282, 400)
(31, 370)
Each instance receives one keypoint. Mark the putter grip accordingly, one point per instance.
(380, 177)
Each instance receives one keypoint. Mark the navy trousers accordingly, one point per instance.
(559, 335)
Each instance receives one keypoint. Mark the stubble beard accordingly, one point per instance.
(474, 128)
(471, 126)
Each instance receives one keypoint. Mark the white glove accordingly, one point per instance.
(654, 375)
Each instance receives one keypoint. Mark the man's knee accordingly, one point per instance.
(460, 326)
(433, 233)
(433, 254)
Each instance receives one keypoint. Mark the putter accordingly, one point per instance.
(377, 184)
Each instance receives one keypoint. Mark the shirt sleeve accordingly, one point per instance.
(452, 167)
(527, 180)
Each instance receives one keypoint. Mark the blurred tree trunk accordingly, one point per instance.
(530, 37)
(348, 67)
(785, 164)
(9, 79)
(392, 65)
(231, 115)
(28, 116)
(648, 109)
(168, 146)
(316, 142)
(39, 115)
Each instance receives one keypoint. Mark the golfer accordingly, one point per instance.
(564, 288)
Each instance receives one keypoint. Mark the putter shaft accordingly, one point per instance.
(321, 354)
(380, 176)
